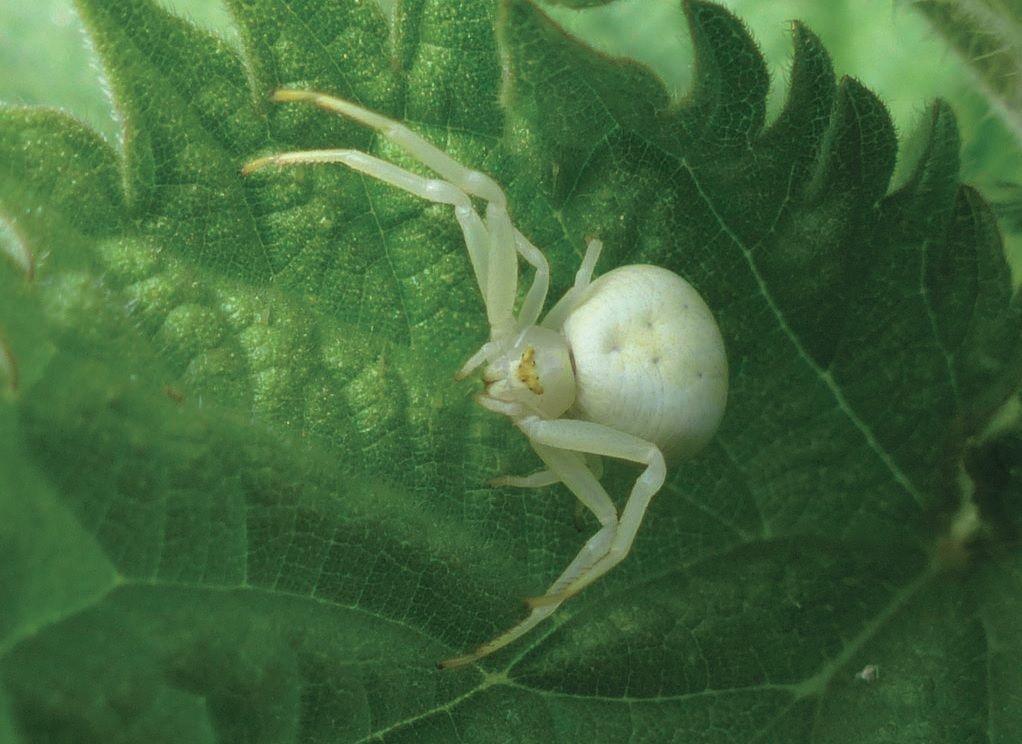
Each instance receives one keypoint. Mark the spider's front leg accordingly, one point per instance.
(493, 247)
(475, 232)
(501, 274)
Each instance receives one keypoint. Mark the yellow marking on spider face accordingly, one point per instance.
(527, 371)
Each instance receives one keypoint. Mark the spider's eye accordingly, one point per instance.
(527, 371)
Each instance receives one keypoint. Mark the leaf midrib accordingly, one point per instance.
(823, 375)
(813, 685)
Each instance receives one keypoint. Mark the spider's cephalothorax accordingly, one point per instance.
(535, 374)
(630, 365)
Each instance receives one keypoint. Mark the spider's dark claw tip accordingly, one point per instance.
(455, 663)
(287, 95)
(253, 165)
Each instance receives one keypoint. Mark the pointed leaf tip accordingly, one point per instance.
(974, 307)
(931, 156)
(728, 99)
(188, 114)
(589, 96)
(8, 366)
(811, 66)
(860, 147)
(802, 123)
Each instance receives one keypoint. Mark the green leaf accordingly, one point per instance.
(579, 3)
(241, 497)
(988, 36)
(44, 59)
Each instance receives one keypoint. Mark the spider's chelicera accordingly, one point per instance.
(630, 365)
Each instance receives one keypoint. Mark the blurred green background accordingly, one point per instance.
(887, 44)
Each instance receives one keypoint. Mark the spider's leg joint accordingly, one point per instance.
(287, 95)
(546, 600)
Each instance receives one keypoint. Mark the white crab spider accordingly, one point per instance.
(630, 365)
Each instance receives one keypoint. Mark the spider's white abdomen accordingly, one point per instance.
(649, 358)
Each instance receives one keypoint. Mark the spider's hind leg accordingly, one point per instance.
(589, 437)
(572, 469)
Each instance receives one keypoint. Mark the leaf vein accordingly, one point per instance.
(825, 376)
